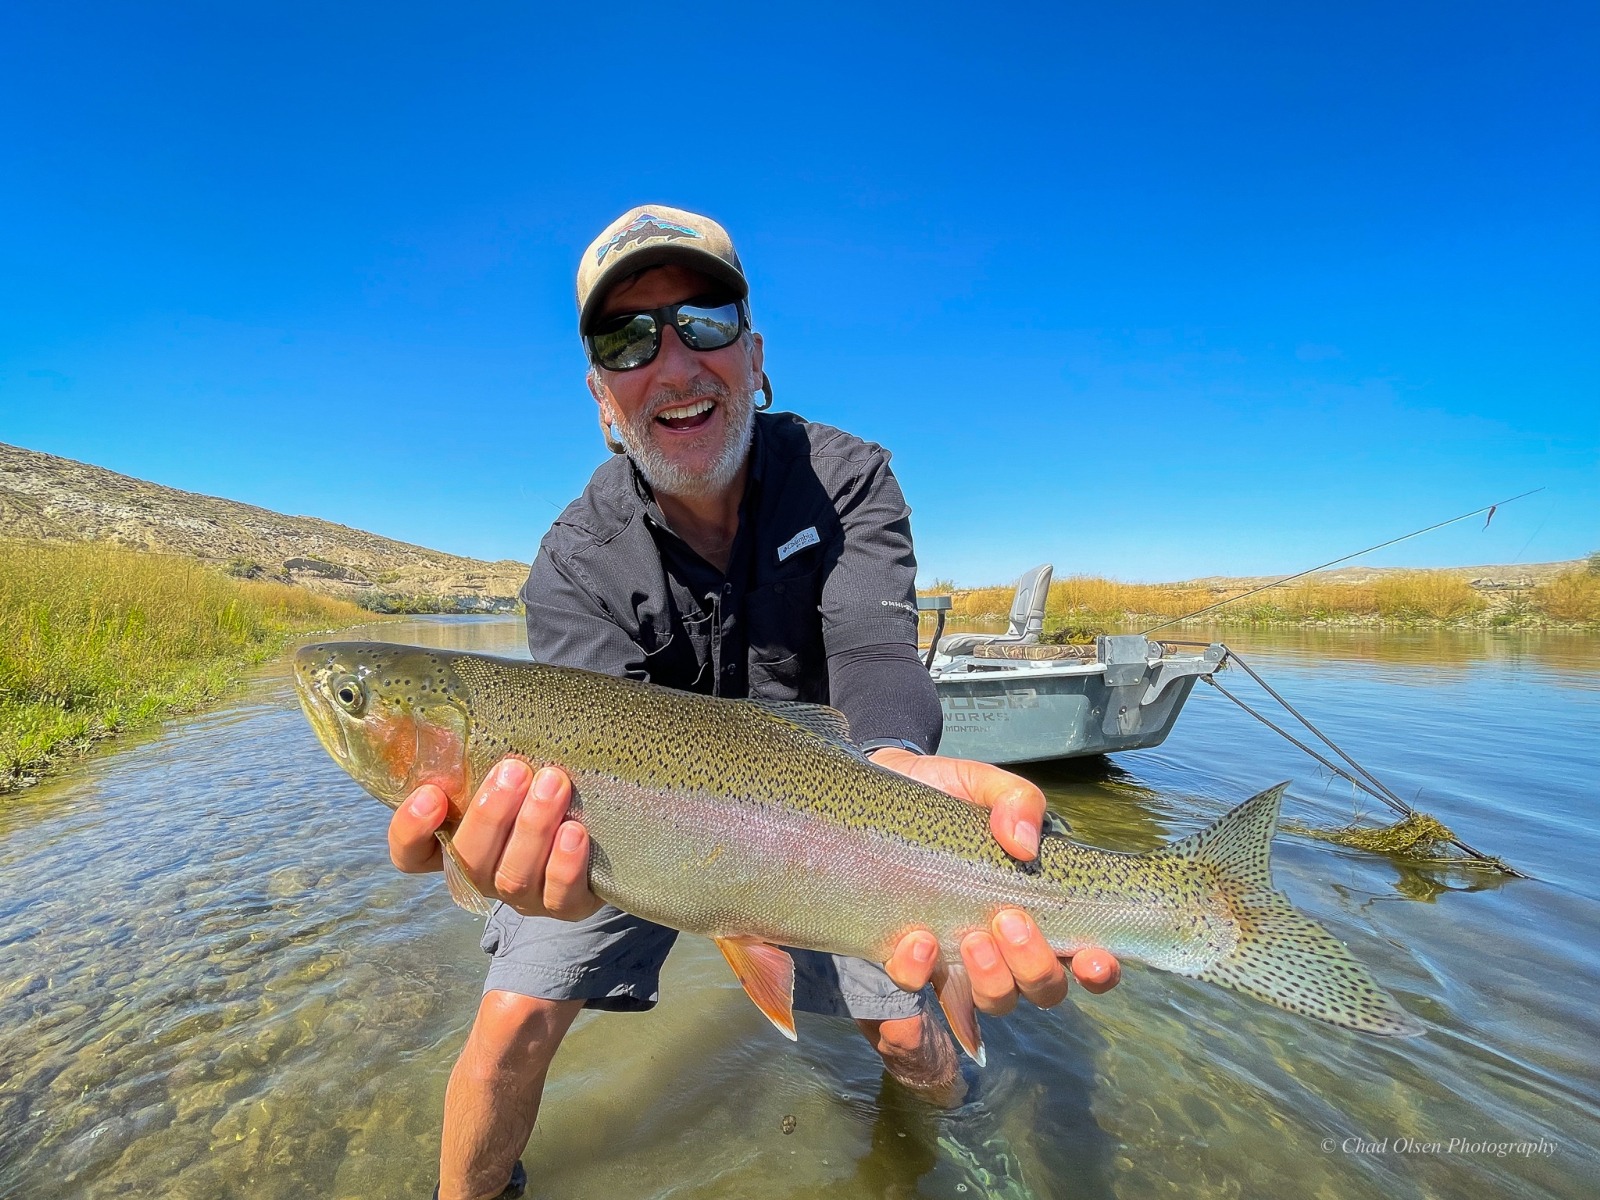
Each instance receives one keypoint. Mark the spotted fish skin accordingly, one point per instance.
(758, 821)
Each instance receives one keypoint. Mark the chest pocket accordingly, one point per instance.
(677, 654)
(785, 622)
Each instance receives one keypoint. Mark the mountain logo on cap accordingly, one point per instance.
(642, 230)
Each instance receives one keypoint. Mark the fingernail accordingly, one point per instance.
(425, 804)
(546, 784)
(983, 953)
(1013, 928)
(923, 950)
(1027, 835)
(571, 836)
(512, 773)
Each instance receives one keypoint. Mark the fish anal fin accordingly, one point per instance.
(462, 889)
(767, 973)
(954, 989)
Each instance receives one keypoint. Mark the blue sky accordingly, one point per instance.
(1150, 291)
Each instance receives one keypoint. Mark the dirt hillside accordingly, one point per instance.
(58, 500)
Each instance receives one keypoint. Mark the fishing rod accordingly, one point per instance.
(1487, 508)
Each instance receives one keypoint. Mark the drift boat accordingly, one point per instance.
(1009, 698)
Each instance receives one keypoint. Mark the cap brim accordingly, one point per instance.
(644, 258)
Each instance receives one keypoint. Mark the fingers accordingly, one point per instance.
(412, 846)
(566, 876)
(1012, 959)
(513, 840)
(519, 867)
(1097, 970)
(1016, 805)
(487, 825)
(911, 965)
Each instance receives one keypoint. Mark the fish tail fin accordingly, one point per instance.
(1282, 956)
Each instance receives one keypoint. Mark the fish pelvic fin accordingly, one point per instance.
(1282, 956)
(767, 973)
(954, 989)
(462, 889)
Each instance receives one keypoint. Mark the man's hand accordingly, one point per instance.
(513, 839)
(1012, 957)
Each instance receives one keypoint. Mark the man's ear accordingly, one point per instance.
(602, 398)
(757, 354)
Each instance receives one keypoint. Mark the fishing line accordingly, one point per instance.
(1487, 508)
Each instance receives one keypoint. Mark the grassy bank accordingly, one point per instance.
(1441, 598)
(99, 640)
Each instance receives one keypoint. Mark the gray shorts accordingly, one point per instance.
(612, 961)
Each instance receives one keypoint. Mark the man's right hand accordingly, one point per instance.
(514, 840)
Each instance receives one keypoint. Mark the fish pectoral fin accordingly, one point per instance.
(462, 889)
(954, 989)
(767, 973)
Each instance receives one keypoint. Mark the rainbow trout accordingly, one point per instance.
(758, 824)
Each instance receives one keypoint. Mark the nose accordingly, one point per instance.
(675, 364)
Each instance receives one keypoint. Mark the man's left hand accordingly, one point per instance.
(1011, 958)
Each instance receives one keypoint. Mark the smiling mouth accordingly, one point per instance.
(684, 418)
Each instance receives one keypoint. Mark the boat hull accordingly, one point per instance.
(1021, 712)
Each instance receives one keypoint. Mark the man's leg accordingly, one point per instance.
(920, 1054)
(494, 1091)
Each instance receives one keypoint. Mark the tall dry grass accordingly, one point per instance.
(1426, 595)
(1404, 596)
(99, 639)
(1572, 595)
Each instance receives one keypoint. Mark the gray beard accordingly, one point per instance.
(665, 476)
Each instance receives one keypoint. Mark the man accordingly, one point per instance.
(727, 551)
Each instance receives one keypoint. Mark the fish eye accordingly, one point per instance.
(351, 696)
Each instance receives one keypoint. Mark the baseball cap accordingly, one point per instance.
(653, 235)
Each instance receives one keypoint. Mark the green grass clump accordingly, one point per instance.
(101, 639)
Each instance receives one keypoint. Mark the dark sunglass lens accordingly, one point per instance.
(626, 342)
(705, 327)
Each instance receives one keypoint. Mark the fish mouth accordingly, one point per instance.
(311, 669)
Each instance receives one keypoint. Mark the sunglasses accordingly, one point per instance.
(628, 340)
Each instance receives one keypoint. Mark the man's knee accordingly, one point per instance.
(519, 1033)
(900, 1038)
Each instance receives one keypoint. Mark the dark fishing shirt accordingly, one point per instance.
(818, 602)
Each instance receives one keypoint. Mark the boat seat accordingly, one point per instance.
(1027, 617)
(1030, 652)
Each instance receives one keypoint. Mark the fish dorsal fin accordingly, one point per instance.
(954, 988)
(1238, 844)
(767, 973)
(829, 724)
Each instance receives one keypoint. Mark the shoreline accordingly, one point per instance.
(104, 641)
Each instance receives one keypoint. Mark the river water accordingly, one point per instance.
(212, 983)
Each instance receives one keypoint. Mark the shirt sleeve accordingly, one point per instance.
(869, 594)
(886, 692)
(869, 616)
(568, 626)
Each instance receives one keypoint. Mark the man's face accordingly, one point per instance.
(685, 416)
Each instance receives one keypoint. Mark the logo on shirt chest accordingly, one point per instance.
(806, 537)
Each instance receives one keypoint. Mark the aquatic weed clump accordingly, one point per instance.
(1416, 837)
